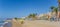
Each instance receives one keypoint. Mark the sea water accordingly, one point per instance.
(1, 23)
(4, 23)
(2, 20)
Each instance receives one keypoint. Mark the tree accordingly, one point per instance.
(15, 18)
(54, 9)
(33, 16)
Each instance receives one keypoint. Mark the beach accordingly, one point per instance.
(37, 23)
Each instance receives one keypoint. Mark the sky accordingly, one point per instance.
(22, 8)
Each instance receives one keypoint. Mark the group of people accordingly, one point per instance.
(54, 19)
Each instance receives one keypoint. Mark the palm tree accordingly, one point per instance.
(54, 9)
(33, 16)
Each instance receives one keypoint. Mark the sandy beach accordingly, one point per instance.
(41, 23)
(37, 23)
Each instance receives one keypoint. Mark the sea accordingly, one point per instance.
(1, 23)
(2, 20)
(4, 23)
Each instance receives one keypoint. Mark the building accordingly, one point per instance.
(59, 8)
